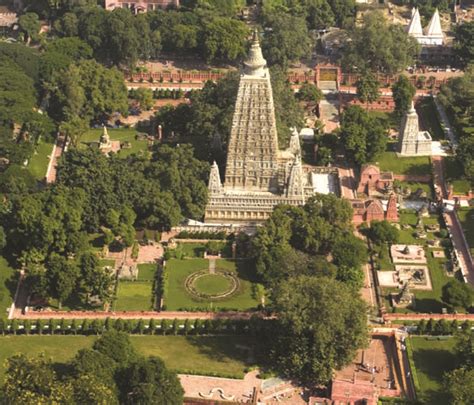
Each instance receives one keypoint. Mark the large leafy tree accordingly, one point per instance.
(368, 88)
(30, 25)
(88, 90)
(403, 93)
(458, 294)
(321, 324)
(33, 381)
(287, 40)
(379, 46)
(150, 382)
(225, 39)
(363, 136)
(464, 44)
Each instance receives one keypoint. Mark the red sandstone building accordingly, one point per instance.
(140, 6)
(373, 181)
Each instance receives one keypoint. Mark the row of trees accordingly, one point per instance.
(310, 263)
(111, 372)
(457, 97)
(123, 38)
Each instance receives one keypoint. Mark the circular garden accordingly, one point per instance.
(203, 285)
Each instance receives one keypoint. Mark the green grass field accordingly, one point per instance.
(223, 355)
(432, 358)
(177, 297)
(147, 271)
(454, 175)
(134, 296)
(389, 161)
(466, 217)
(7, 286)
(122, 134)
(38, 164)
(212, 284)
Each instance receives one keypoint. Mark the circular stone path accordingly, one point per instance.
(220, 284)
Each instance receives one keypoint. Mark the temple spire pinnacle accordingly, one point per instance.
(255, 64)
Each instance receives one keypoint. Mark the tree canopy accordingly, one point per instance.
(321, 324)
(363, 136)
(379, 46)
(403, 92)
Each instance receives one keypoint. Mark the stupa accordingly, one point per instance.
(412, 141)
(258, 175)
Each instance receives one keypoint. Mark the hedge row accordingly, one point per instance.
(414, 374)
(441, 327)
(150, 327)
(201, 235)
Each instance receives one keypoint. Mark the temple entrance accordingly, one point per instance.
(328, 75)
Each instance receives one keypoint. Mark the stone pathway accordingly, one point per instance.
(58, 150)
(212, 266)
(329, 111)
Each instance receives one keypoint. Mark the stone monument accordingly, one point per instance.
(412, 141)
(258, 175)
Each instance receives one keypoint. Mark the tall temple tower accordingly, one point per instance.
(252, 156)
(258, 176)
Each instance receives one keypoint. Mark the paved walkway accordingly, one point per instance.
(132, 315)
(348, 182)
(212, 266)
(58, 150)
(452, 222)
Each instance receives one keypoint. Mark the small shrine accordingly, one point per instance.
(412, 141)
(404, 298)
(106, 145)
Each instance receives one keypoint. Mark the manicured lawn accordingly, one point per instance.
(178, 298)
(454, 175)
(429, 120)
(122, 134)
(411, 218)
(193, 249)
(466, 217)
(430, 301)
(384, 259)
(38, 164)
(147, 271)
(134, 296)
(432, 358)
(223, 355)
(212, 284)
(389, 161)
(7, 286)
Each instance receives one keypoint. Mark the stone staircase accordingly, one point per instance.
(329, 112)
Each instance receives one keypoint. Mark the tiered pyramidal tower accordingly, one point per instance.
(258, 175)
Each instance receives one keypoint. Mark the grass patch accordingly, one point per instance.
(212, 284)
(388, 118)
(414, 186)
(38, 163)
(193, 249)
(134, 296)
(201, 354)
(122, 135)
(383, 259)
(432, 358)
(178, 298)
(147, 271)
(390, 162)
(455, 175)
(430, 301)
(429, 118)
(7, 286)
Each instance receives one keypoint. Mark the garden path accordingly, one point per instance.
(212, 266)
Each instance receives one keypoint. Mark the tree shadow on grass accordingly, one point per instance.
(434, 363)
(428, 305)
(226, 348)
(246, 270)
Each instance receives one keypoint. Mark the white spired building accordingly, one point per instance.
(412, 141)
(433, 33)
(258, 175)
